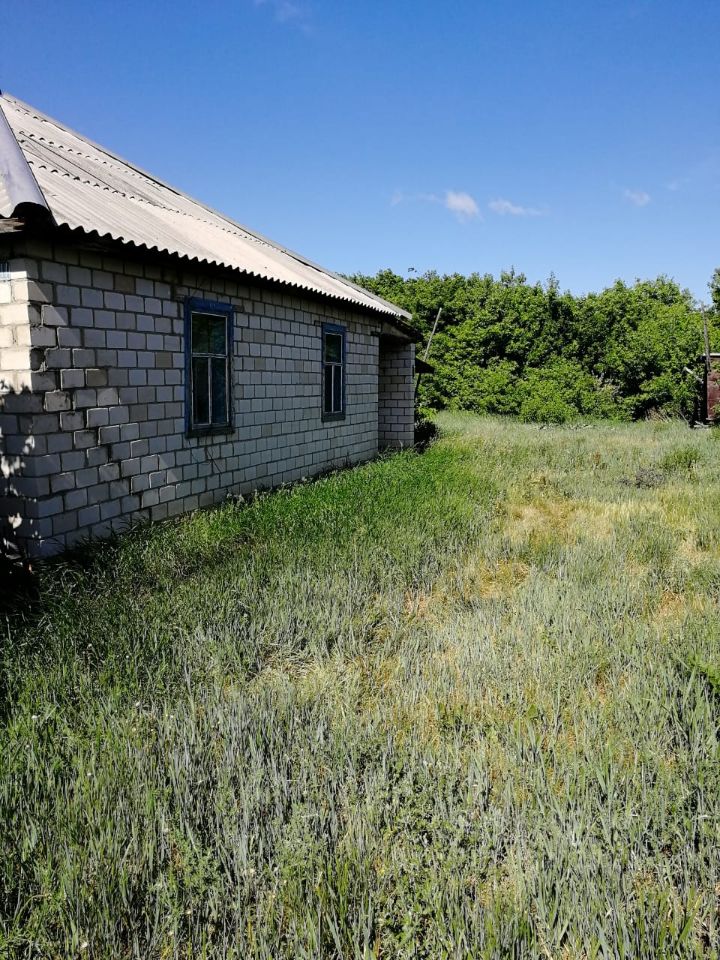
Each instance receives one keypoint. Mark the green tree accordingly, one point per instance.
(511, 347)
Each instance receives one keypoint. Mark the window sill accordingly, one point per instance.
(330, 417)
(217, 431)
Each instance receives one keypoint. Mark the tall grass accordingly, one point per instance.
(463, 704)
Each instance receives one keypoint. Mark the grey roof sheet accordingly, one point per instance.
(86, 187)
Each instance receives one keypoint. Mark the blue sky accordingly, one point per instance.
(579, 137)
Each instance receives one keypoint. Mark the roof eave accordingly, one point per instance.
(41, 228)
(19, 191)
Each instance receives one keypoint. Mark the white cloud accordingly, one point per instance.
(461, 204)
(638, 198)
(507, 208)
(456, 201)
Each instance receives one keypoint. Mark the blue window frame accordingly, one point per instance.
(333, 371)
(208, 367)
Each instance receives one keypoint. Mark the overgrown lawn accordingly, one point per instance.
(458, 704)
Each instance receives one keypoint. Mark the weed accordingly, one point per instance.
(682, 459)
(437, 706)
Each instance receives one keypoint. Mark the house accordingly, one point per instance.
(155, 356)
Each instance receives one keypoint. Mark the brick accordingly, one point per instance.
(119, 488)
(44, 466)
(81, 317)
(102, 280)
(125, 284)
(139, 483)
(44, 337)
(53, 316)
(48, 507)
(114, 301)
(98, 493)
(41, 382)
(107, 396)
(105, 319)
(68, 295)
(72, 378)
(97, 417)
(73, 460)
(109, 471)
(16, 359)
(88, 516)
(75, 499)
(56, 359)
(150, 498)
(84, 438)
(80, 276)
(86, 398)
(62, 482)
(64, 522)
(96, 377)
(94, 339)
(110, 509)
(72, 421)
(110, 434)
(91, 297)
(83, 358)
(54, 272)
(130, 467)
(57, 400)
(69, 337)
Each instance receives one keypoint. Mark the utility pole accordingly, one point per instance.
(427, 349)
(432, 334)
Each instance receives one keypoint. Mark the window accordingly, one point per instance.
(333, 372)
(208, 338)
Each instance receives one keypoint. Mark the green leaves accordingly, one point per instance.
(510, 347)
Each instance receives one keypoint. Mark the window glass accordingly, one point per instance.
(217, 334)
(337, 389)
(333, 348)
(333, 372)
(200, 393)
(219, 390)
(209, 386)
(200, 333)
(328, 400)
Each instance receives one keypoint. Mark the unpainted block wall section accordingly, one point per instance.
(103, 429)
(396, 390)
(19, 485)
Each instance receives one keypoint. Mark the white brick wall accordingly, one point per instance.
(396, 389)
(101, 436)
(20, 486)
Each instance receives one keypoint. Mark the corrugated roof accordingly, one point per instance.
(86, 187)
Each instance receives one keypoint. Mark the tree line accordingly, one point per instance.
(511, 347)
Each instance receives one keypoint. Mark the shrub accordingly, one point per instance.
(563, 391)
(681, 460)
(425, 429)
